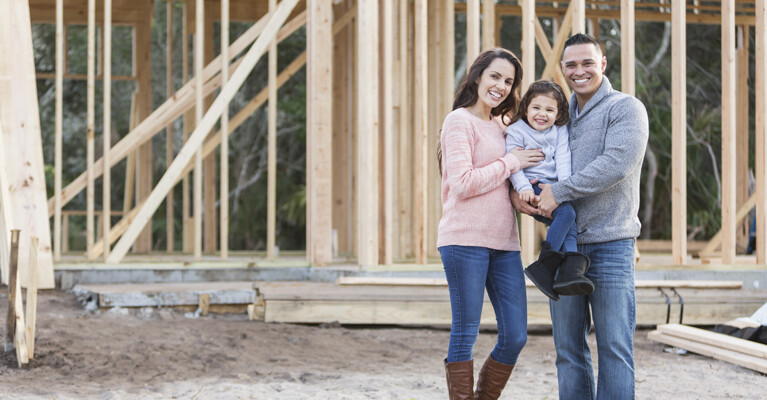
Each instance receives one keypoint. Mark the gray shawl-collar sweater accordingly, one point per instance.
(608, 139)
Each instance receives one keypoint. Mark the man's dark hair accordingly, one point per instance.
(582, 38)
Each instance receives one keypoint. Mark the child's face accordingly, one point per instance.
(542, 112)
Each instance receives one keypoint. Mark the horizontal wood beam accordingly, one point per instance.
(640, 15)
(80, 77)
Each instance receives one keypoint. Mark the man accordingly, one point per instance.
(608, 138)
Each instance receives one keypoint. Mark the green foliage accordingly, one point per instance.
(247, 154)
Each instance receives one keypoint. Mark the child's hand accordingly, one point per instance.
(527, 195)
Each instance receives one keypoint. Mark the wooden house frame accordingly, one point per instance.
(379, 82)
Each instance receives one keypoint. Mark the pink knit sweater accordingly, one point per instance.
(476, 210)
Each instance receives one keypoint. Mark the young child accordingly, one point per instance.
(541, 123)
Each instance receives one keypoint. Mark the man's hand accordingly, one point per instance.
(547, 204)
(521, 205)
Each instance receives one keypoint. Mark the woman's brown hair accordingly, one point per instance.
(468, 91)
(545, 88)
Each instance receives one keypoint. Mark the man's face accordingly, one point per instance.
(583, 66)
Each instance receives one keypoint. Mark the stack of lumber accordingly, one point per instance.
(748, 354)
(425, 301)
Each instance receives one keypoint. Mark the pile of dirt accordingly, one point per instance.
(165, 354)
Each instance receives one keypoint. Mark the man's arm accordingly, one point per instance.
(625, 144)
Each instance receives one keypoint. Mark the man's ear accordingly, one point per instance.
(604, 64)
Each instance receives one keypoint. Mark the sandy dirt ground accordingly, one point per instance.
(163, 354)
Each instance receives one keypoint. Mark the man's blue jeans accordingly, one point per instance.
(612, 306)
(563, 231)
(469, 270)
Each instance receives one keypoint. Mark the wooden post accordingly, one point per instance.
(421, 127)
(224, 191)
(319, 135)
(58, 129)
(271, 170)
(435, 117)
(528, 43)
(448, 54)
(628, 50)
(169, 220)
(367, 131)
(106, 188)
(186, 227)
(90, 120)
(31, 314)
(65, 233)
(761, 130)
(12, 288)
(405, 138)
(527, 223)
(472, 30)
(389, 164)
(130, 162)
(579, 16)
(193, 145)
(209, 218)
(198, 44)
(144, 154)
(679, 132)
(488, 24)
(16, 333)
(743, 128)
(728, 131)
(343, 162)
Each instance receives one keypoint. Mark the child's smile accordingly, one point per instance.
(542, 112)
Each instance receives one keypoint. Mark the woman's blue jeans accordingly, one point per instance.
(612, 306)
(469, 271)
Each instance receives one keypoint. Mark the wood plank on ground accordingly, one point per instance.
(313, 302)
(723, 341)
(416, 281)
(744, 360)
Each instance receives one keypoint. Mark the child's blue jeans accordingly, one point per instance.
(563, 232)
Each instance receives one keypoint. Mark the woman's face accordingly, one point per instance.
(495, 82)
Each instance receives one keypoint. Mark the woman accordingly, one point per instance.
(477, 236)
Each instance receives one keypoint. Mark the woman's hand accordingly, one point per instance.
(527, 158)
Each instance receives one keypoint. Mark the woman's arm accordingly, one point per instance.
(464, 179)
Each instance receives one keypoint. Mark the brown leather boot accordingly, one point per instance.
(492, 379)
(460, 379)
